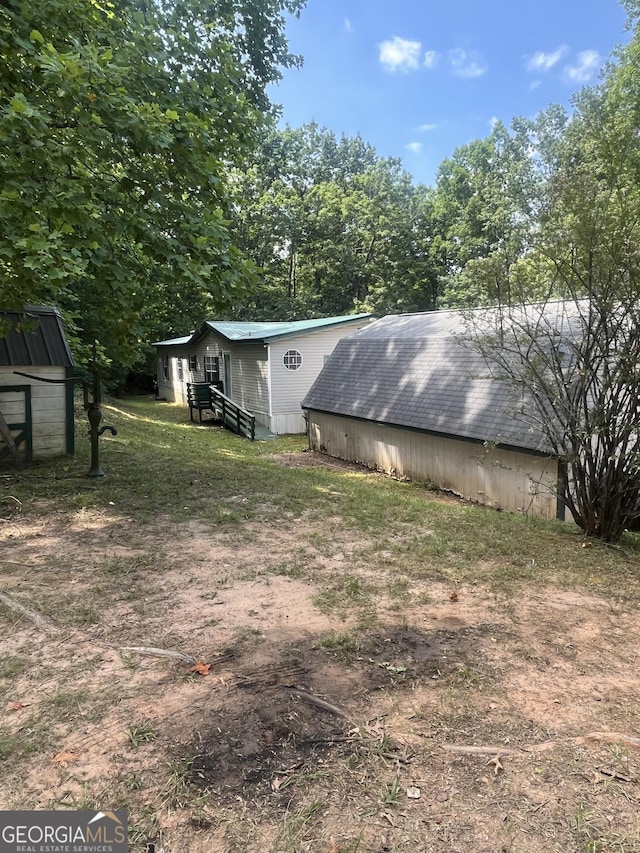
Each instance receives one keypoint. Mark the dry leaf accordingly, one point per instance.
(454, 596)
(276, 783)
(65, 758)
(200, 668)
(16, 706)
(413, 793)
(586, 544)
(497, 765)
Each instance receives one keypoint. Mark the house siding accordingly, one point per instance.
(514, 481)
(249, 376)
(48, 408)
(259, 380)
(290, 386)
(172, 388)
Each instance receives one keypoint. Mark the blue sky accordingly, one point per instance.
(418, 78)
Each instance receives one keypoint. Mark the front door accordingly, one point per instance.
(226, 362)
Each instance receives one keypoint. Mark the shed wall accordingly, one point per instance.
(48, 407)
(504, 479)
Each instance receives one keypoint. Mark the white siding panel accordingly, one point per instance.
(504, 479)
(249, 377)
(287, 424)
(289, 387)
(173, 389)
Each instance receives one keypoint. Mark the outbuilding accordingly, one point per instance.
(406, 395)
(36, 417)
(267, 368)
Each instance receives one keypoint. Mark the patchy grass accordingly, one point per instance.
(421, 621)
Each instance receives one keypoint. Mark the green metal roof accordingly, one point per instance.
(236, 331)
(172, 341)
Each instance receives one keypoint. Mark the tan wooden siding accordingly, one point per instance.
(504, 479)
(48, 408)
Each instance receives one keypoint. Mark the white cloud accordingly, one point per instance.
(427, 127)
(493, 121)
(466, 63)
(400, 54)
(534, 85)
(415, 147)
(541, 61)
(431, 59)
(347, 25)
(587, 66)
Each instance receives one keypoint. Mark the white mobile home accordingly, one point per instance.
(266, 368)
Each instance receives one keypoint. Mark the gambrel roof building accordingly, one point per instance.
(406, 395)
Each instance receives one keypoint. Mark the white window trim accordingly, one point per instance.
(297, 355)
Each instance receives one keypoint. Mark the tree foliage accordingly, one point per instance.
(334, 228)
(118, 123)
(582, 377)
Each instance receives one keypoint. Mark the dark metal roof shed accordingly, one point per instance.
(35, 337)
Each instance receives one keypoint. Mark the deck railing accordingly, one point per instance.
(232, 415)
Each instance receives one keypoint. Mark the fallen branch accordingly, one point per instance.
(320, 703)
(25, 611)
(151, 650)
(483, 750)
(591, 737)
(610, 737)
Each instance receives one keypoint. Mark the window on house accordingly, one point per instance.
(165, 366)
(193, 363)
(211, 368)
(292, 359)
(180, 370)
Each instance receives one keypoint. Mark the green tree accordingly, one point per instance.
(581, 380)
(334, 228)
(483, 208)
(118, 125)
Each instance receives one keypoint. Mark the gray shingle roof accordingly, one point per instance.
(43, 345)
(412, 371)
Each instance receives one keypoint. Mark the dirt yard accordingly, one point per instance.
(319, 703)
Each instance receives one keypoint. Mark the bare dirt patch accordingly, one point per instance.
(243, 758)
